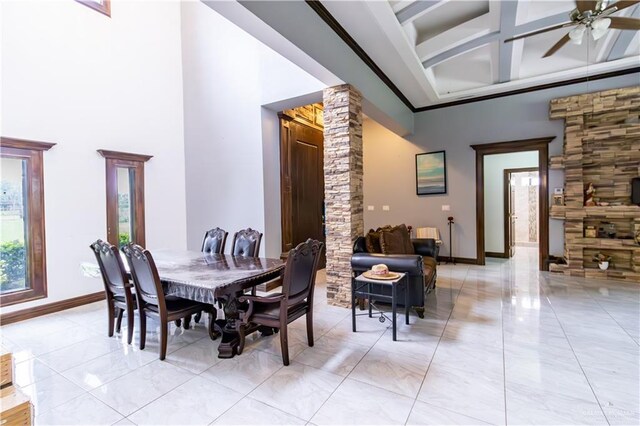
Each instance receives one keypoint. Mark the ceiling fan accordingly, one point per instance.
(593, 16)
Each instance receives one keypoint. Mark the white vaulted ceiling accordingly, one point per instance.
(439, 51)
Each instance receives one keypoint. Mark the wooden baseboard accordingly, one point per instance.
(50, 308)
(496, 254)
(464, 260)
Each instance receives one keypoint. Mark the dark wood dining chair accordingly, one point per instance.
(296, 299)
(117, 286)
(246, 242)
(214, 241)
(153, 303)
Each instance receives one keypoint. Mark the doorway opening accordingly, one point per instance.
(540, 148)
(521, 215)
(302, 176)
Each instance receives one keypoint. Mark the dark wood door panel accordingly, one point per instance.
(302, 184)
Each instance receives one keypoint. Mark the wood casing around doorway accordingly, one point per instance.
(301, 176)
(538, 144)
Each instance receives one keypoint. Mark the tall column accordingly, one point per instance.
(342, 186)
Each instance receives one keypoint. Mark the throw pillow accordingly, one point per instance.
(406, 236)
(372, 241)
(392, 241)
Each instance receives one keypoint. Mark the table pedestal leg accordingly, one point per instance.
(228, 347)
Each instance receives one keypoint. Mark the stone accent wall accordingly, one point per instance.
(342, 186)
(601, 147)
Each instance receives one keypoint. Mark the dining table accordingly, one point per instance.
(212, 279)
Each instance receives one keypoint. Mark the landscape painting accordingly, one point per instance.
(431, 173)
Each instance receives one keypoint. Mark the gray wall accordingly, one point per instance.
(494, 167)
(389, 161)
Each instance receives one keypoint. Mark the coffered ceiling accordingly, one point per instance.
(440, 51)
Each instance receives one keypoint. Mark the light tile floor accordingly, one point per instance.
(499, 344)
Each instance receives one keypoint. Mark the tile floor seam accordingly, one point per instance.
(150, 402)
(504, 367)
(80, 396)
(437, 344)
(347, 376)
(84, 362)
(56, 406)
(566, 336)
(613, 318)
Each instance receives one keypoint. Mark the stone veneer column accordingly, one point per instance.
(342, 186)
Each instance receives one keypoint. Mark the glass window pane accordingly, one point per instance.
(126, 205)
(13, 230)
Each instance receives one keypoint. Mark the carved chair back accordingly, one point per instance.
(300, 272)
(111, 268)
(214, 241)
(246, 243)
(145, 276)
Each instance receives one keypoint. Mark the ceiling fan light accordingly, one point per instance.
(576, 34)
(599, 28)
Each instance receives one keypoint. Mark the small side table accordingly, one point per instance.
(361, 286)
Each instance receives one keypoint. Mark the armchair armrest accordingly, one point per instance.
(410, 263)
(274, 298)
(426, 247)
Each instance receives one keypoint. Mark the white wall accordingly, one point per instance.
(389, 161)
(231, 146)
(494, 166)
(72, 76)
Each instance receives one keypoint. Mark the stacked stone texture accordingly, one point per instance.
(342, 186)
(602, 147)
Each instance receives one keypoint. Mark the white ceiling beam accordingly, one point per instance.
(584, 71)
(460, 49)
(393, 31)
(453, 38)
(417, 9)
(624, 39)
(401, 5)
(538, 24)
(508, 14)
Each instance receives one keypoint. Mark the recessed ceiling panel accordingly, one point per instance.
(447, 16)
(470, 70)
(568, 57)
(537, 9)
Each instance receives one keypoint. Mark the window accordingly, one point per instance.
(22, 242)
(125, 197)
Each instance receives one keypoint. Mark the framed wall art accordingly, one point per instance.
(431, 173)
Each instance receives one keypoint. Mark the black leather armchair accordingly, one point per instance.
(421, 268)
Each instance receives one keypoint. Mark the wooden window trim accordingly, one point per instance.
(115, 159)
(104, 8)
(36, 243)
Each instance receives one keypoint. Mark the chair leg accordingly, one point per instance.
(242, 337)
(284, 344)
(119, 319)
(187, 322)
(111, 317)
(143, 329)
(163, 340)
(310, 327)
(213, 315)
(130, 317)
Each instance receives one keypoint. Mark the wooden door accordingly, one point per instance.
(512, 217)
(302, 184)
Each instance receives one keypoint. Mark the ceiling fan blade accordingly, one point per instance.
(564, 40)
(544, 30)
(622, 4)
(584, 5)
(620, 23)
